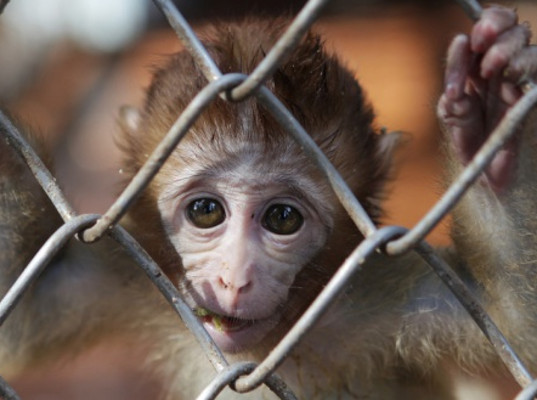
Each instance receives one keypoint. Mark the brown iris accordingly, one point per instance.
(205, 213)
(282, 219)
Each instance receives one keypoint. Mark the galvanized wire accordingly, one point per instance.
(7, 392)
(505, 130)
(3, 5)
(171, 294)
(472, 8)
(244, 377)
(341, 189)
(161, 153)
(230, 375)
(283, 47)
(189, 39)
(281, 50)
(38, 168)
(202, 100)
(327, 296)
(529, 392)
(227, 374)
(465, 296)
(40, 261)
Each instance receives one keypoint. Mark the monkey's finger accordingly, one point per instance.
(523, 66)
(510, 93)
(500, 170)
(464, 128)
(457, 67)
(460, 108)
(505, 48)
(493, 22)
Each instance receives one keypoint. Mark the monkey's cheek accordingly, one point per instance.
(237, 340)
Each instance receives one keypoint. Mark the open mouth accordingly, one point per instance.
(232, 334)
(223, 323)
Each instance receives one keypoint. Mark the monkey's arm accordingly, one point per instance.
(494, 226)
(79, 296)
(26, 214)
(27, 219)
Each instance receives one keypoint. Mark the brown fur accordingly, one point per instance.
(327, 101)
(388, 333)
(303, 84)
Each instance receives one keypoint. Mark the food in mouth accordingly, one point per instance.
(222, 323)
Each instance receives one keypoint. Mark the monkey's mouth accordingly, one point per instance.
(223, 323)
(232, 334)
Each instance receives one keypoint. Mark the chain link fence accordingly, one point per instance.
(236, 87)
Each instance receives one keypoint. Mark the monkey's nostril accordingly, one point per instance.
(222, 283)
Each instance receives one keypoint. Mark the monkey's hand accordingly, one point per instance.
(481, 83)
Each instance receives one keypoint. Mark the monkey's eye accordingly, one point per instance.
(205, 213)
(282, 219)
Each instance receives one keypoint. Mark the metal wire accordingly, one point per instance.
(40, 171)
(171, 294)
(477, 312)
(529, 392)
(7, 392)
(160, 154)
(472, 8)
(203, 99)
(244, 377)
(40, 261)
(229, 376)
(505, 130)
(189, 39)
(327, 296)
(281, 50)
(3, 5)
(341, 189)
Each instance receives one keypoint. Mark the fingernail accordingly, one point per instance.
(478, 45)
(486, 73)
(451, 91)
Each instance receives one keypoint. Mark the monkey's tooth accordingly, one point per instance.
(217, 322)
(222, 323)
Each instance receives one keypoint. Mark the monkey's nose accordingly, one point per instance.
(240, 287)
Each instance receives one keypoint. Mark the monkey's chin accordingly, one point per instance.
(234, 335)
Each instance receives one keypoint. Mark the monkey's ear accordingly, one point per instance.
(129, 119)
(389, 142)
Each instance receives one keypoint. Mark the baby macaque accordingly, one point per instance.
(249, 230)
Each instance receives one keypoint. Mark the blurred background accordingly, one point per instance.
(66, 66)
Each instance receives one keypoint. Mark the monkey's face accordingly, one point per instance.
(243, 230)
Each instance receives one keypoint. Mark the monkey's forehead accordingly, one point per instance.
(242, 154)
(258, 176)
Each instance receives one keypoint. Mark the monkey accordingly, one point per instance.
(249, 231)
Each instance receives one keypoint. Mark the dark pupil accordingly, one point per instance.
(205, 213)
(282, 219)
